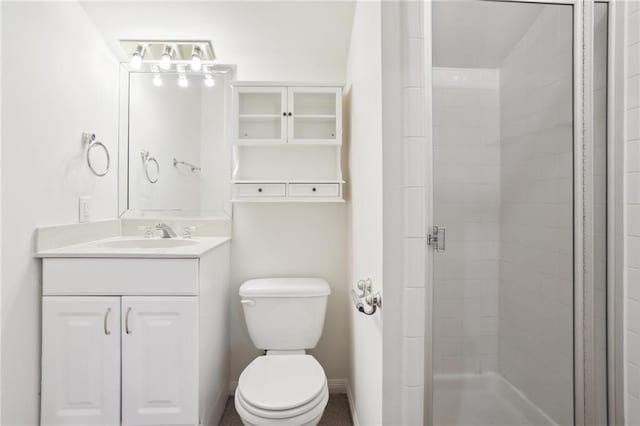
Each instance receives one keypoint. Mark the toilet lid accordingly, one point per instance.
(281, 382)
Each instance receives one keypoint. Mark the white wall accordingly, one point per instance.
(632, 213)
(466, 134)
(536, 215)
(292, 240)
(55, 94)
(364, 109)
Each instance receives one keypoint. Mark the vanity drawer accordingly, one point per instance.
(259, 189)
(314, 189)
(120, 276)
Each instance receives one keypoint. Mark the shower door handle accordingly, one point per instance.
(437, 238)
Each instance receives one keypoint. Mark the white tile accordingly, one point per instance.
(633, 59)
(633, 156)
(633, 252)
(633, 219)
(415, 261)
(633, 283)
(412, 403)
(414, 162)
(413, 362)
(413, 312)
(633, 124)
(414, 63)
(633, 374)
(633, 92)
(633, 188)
(633, 28)
(414, 212)
(413, 18)
(413, 114)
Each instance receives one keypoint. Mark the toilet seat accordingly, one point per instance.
(282, 389)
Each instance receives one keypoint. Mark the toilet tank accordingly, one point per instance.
(285, 313)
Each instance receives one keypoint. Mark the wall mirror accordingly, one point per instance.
(173, 156)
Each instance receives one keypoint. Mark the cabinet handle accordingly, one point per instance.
(290, 114)
(106, 322)
(284, 114)
(126, 322)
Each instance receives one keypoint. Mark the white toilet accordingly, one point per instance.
(284, 316)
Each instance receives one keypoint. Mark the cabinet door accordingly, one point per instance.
(316, 115)
(160, 360)
(80, 361)
(260, 115)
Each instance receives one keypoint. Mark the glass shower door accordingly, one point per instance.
(503, 315)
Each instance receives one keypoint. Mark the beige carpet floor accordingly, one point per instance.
(336, 414)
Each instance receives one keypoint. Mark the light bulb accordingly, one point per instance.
(165, 59)
(182, 81)
(209, 81)
(136, 58)
(196, 58)
(157, 80)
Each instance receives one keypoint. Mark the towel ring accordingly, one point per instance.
(90, 139)
(146, 159)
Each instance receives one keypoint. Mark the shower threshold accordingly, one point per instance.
(482, 400)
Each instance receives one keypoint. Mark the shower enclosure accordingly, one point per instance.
(517, 330)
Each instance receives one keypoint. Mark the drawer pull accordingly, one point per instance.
(126, 322)
(106, 322)
(259, 189)
(314, 189)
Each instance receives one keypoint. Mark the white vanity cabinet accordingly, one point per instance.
(287, 142)
(80, 361)
(150, 352)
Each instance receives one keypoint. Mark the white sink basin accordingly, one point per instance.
(155, 243)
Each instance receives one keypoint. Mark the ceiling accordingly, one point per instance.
(478, 34)
(267, 40)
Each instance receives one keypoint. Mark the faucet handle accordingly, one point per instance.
(148, 231)
(187, 232)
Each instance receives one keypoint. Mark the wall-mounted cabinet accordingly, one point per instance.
(287, 143)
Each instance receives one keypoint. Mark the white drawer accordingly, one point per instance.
(120, 276)
(259, 190)
(314, 189)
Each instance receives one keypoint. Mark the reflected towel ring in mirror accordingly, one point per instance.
(146, 160)
(90, 139)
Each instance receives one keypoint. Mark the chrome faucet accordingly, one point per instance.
(167, 232)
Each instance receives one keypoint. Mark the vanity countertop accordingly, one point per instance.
(137, 247)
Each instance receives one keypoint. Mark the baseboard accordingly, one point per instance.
(337, 385)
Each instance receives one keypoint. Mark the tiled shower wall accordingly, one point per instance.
(632, 213)
(466, 134)
(536, 217)
(414, 199)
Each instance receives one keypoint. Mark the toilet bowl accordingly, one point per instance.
(286, 386)
(282, 389)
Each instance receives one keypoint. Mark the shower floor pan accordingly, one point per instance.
(483, 400)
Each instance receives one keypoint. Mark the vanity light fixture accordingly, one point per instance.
(136, 58)
(166, 58)
(196, 58)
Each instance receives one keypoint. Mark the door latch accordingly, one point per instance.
(437, 237)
